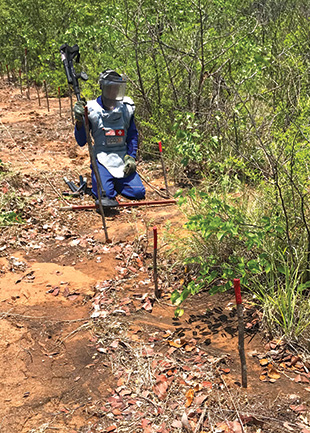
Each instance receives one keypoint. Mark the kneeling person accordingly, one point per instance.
(111, 118)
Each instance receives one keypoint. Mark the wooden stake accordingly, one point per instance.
(157, 291)
(46, 95)
(244, 380)
(163, 167)
(59, 101)
(20, 81)
(38, 93)
(7, 71)
(26, 72)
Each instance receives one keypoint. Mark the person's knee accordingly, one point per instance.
(133, 192)
(140, 192)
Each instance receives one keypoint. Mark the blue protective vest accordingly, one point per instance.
(109, 130)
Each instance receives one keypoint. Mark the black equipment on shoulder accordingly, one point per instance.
(67, 55)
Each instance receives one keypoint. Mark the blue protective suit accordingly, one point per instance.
(110, 149)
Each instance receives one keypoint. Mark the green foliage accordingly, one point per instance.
(10, 204)
(228, 242)
(9, 218)
(284, 299)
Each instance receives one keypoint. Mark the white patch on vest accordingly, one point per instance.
(113, 163)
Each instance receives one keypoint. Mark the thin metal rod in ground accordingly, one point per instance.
(163, 167)
(26, 72)
(244, 380)
(157, 291)
(71, 103)
(100, 190)
(38, 94)
(20, 81)
(59, 99)
(152, 186)
(8, 73)
(121, 204)
(46, 95)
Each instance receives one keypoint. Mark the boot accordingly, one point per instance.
(107, 202)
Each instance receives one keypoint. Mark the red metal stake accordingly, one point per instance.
(121, 204)
(157, 291)
(244, 380)
(163, 167)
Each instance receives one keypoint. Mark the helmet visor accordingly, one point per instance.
(113, 91)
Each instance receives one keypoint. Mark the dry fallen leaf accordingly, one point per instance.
(177, 343)
(144, 423)
(160, 389)
(225, 370)
(288, 427)
(176, 424)
(299, 408)
(185, 423)
(235, 427)
(273, 372)
(264, 362)
(207, 384)
(189, 397)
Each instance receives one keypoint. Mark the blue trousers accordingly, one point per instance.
(130, 186)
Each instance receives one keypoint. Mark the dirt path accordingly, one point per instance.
(84, 345)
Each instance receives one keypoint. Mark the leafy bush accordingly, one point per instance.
(10, 204)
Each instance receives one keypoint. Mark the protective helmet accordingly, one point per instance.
(113, 87)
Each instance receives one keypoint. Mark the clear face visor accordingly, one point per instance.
(113, 91)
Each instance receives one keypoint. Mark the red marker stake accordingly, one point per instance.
(163, 167)
(157, 291)
(244, 380)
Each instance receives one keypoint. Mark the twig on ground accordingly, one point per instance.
(236, 410)
(201, 420)
(153, 187)
(80, 328)
(4, 314)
